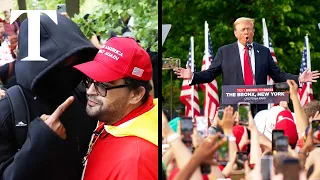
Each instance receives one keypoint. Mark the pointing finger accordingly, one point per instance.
(57, 113)
(44, 117)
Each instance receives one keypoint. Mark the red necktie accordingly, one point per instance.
(248, 77)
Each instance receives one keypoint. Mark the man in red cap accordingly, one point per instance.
(124, 145)
(286, 123)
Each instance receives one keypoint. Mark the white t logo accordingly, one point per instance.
(34, 31)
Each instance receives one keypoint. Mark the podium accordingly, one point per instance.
(255, 95)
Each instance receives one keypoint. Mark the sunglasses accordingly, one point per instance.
(100, 87)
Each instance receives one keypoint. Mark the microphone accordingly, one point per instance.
(248, 45)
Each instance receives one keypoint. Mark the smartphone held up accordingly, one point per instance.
(243, 110)
(186, 125)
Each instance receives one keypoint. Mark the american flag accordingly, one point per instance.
(186, 93)
(270, 81)
(305, 92)
(267, 43)
(211, 98)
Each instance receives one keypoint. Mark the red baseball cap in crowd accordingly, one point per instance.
(286, 123)
(120, 57)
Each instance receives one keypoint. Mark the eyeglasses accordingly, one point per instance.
(100, 87)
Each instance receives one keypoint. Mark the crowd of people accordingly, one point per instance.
(300, 160)
(8, 48)
(85, 113)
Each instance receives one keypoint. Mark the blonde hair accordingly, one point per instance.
(241, 19)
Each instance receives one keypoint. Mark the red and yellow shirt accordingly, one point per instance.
(128, 149)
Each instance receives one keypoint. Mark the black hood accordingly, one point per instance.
(57, 43)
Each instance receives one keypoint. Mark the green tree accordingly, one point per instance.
(288, 21)
(108, 14)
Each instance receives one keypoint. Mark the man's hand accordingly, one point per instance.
(228, 120)
(196, 138)
(205, 152)
(316, 116)
(252, 125)
(166, 129)
(244, 139)
(2, 93)
(284, 104)
(293, 87)
(183, 73)
(308, 76)
(309, 142)
(53, 120)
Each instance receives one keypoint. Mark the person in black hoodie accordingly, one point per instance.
(46, 85)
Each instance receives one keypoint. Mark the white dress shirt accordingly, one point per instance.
(251, 54)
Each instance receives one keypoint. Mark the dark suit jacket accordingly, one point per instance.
(227, 62)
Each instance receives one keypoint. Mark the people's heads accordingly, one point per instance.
(117, 80)
(287, 165)
(271, 121)
(311, 108)
(286, 123)
(55, 78)
(7, 14)
(243, 29)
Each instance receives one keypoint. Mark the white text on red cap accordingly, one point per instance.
(108, 51)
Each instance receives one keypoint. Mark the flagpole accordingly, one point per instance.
(266, 44)
(192, 70)
(265, 33)
(206, 51)
(308, 64)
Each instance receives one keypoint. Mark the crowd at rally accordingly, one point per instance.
(80, 114)
(299, 160)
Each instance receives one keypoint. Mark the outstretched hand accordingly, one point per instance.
(183, 73)
(53, 120)
(309, 76)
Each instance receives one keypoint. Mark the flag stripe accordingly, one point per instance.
(305, 96)
(211, 102)
(186, 93)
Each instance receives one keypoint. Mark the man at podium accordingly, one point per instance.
(244, 63)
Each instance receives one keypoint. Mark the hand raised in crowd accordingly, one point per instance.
(196, 138)
(228, 120)
(316, 116)
(309, 141)
(309, 76)
(244, 139)
(284, 104)
(2, 93)
(252, 125)
(293, 87)
(53, 120)
(166, 129)
(254, 174)
(205, 152)
(183, 73)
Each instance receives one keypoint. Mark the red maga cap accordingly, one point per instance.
(120, 57)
